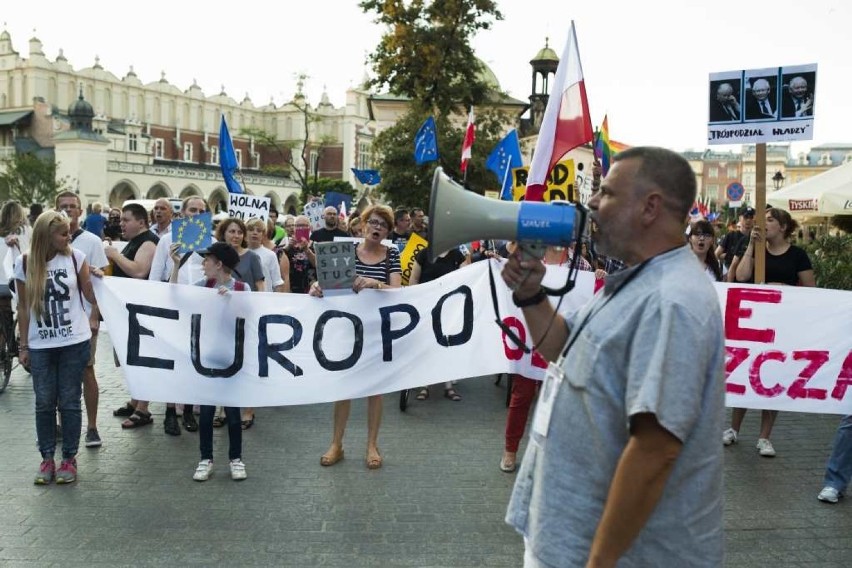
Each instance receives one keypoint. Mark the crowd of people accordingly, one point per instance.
(633, 429)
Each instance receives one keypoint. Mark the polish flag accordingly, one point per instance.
(467, 145)
(566, 123)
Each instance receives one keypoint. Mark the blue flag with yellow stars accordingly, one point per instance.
(193, 233)
(505, 156)
(426, 143)
(367, 177)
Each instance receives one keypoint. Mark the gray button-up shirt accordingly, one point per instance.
(654, 346)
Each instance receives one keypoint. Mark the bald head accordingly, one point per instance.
(162, 212)
(330, 216)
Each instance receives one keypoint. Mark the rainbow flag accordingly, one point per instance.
(603, 148)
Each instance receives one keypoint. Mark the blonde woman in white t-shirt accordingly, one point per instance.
(51, 282)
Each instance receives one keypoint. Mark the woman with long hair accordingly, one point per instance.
(702, 241)
(376, 266)
(51, 281)
(786, 264)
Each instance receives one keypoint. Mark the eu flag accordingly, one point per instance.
(367, 177)
(426, 143)
(505, 156)
(193, 233)
(228, 159)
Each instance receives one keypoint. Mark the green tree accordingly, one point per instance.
(425, 53)
(29, 179)
(831, 257)
(406, 183)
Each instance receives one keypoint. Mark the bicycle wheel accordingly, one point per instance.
(403, 399)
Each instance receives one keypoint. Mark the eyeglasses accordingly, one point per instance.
(377, 223)
(702, 235)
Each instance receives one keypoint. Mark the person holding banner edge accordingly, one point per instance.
(624, 462)
(377, 267)
(786, 264)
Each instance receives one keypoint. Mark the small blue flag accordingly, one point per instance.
(426, 143)
(368, 177)
(193, 233)
(505, 156)
(228, 159)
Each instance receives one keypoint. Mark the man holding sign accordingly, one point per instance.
(623, 462)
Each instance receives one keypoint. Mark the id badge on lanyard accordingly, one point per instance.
(546, 397)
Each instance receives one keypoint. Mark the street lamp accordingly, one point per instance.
(778, 180)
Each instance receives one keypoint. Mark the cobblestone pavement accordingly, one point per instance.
(439, 500)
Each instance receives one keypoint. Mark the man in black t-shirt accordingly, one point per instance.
(732, 242)
(331, 230)
(401, 228)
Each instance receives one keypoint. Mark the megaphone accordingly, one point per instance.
(458, 216)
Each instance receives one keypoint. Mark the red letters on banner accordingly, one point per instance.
(734, 312)
(515, 353)
(815, 360)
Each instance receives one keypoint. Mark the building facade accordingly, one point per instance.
(156, 140)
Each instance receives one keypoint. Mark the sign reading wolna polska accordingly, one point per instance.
(560, 182)
(313, 211)
(751, 106)
(335, 265)
(244, 207)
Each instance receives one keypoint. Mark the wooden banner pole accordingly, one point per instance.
(760, 216)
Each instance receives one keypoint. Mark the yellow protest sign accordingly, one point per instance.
(415, 244)
(560, 182)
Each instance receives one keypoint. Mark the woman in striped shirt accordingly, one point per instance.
(376, 266)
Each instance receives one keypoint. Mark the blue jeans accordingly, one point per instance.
(235, 432)
(58, 383)
(838, 472)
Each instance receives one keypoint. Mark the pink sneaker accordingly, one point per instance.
(45, 472)
(67, 472)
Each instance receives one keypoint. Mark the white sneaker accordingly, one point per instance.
(764, 448)
(829, 495)
(729, 437)
(238, 470)
(203, 471)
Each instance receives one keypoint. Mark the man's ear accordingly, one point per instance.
(652, 207)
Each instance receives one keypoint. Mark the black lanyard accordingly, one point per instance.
(588, 317)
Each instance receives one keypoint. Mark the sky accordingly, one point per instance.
(646, 64)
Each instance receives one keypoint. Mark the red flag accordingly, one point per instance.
(467, 145)
(566, 123)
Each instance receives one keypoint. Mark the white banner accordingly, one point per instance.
(788, 348)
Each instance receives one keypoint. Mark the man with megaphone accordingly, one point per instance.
(623, 462)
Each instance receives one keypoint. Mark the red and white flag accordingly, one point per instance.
(566, 123)
(469, 137)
